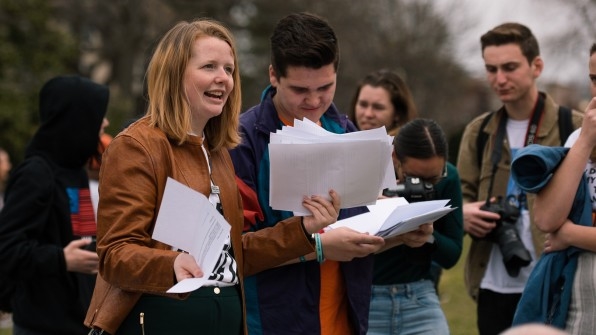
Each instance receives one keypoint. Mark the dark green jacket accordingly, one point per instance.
(403, 264)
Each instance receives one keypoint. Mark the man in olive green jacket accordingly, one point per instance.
(513, 63)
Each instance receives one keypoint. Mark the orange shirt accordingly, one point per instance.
(333, 305)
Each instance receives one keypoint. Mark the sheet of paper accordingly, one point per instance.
(371, 221)
(395, 216)
(407, 218)
(188, 221)
(308, 160)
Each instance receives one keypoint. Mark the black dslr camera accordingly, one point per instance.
(413, 189)
(515, 254)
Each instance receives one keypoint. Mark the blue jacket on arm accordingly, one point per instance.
(547, 294)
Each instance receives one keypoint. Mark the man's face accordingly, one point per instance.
(304, 92)
(508, 72)
(592, 68)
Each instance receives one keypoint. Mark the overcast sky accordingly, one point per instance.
(546, 19)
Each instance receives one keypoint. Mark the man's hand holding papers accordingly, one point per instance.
(344, 244)
(323, 212)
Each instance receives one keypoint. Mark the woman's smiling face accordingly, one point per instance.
(208, 78)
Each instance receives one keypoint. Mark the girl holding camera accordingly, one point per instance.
(404, 298)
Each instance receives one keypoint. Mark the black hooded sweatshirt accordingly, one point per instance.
(41, 204)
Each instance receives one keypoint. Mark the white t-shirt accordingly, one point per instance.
(589, 172)
(496, 277)
(94, 193)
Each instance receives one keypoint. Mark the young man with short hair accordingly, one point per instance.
(513, 64)
(305, 296)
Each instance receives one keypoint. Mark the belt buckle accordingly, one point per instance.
(96, 331)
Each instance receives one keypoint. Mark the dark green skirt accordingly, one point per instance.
(204, 312)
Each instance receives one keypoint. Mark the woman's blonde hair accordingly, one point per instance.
(169, 108)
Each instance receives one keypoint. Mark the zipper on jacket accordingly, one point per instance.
(142, 322)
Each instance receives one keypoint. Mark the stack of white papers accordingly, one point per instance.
(395, 216)
(188, 221)
(308, 160)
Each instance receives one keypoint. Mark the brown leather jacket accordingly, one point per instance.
(133, 175)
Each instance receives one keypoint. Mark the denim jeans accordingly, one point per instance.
(406, 309)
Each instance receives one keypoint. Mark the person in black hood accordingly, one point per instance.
(47, 222)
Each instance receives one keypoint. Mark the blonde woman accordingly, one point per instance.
(193, 85)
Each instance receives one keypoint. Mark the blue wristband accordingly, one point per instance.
(319, 248)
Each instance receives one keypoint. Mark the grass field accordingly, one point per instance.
(459, 308)
(5, 331)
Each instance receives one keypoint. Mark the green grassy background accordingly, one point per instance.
(458, 306)
(5, 331)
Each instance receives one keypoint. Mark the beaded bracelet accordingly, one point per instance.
(319, 248)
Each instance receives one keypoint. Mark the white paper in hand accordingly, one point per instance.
(188, 221)
(409, 217)
(308, 160)
(395, 216)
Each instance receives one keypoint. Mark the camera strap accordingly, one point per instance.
(500, 136)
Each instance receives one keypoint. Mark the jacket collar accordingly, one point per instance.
(549, 118)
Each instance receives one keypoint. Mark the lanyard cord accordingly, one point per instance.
(214, 188)
(535, 121)
(500, 136)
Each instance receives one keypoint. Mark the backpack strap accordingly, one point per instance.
(482, 138)
(565, 124)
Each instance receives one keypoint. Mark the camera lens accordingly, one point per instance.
(515, 254)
